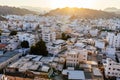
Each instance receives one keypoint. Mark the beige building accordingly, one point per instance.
(75, 56)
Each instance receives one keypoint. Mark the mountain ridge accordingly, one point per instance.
(7, 10)
(82, 13)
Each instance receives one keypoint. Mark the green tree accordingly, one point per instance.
(1, 32)
(25, 44)
(65, 36)
(33, 50)
(39, 48)
(13, 33)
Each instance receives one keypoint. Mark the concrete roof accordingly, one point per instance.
(96, 72)
(7, 56)
(74, 74)
(29, 62)
(79, 45)
(79, 75)
(58, 41)
(45, 68)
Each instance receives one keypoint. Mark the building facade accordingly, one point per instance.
(113, 39)
(112, 68)
(47, 34)
(74, 57)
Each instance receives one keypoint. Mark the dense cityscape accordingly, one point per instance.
(63, 44)
(54, 47)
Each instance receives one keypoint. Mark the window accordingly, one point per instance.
(110, 64)
(84, 59)
(108, 72)
(10, 48)
(118, 69)
(113, 68)
(74, 56)
(109, 68)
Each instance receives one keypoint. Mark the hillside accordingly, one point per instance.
(5, 10)
(82, 13)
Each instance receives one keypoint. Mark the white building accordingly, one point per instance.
(74, 57)
(113, 39)
(11, 46)
(29, 26)
(47, 34)
(100, 44)
(93, 32)
(4, 39)
(110, 52)
(27, 37)
(13, 43)
(112, 68)
(56, 47)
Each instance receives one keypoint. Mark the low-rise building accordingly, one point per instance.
(74, 74)
(27, 37)
(29, 67)
(8, 58)
(56, 47)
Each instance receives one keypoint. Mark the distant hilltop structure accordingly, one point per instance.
(112, 9)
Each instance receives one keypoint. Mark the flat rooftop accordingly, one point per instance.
(78, 75)
(96, 72)
(74, 74)
(7, 56)
(30, 62)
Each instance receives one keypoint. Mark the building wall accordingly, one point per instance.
(113, 40)
(74, 57)
(48, 35)
(27, 37)
(112, 68)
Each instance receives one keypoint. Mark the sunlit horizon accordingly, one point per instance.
(52, 4)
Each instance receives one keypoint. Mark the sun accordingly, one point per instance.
(72, 3)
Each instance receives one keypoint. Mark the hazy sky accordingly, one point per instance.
(95, 4)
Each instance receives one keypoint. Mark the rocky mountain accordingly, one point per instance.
(5, 10)
(82, 13)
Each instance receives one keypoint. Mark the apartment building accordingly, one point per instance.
(113, 39)
(56, 47)
(26, 37)
(47, 34)
(75, 56)
(112, 68)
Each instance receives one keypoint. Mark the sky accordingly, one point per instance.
(93, 4)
